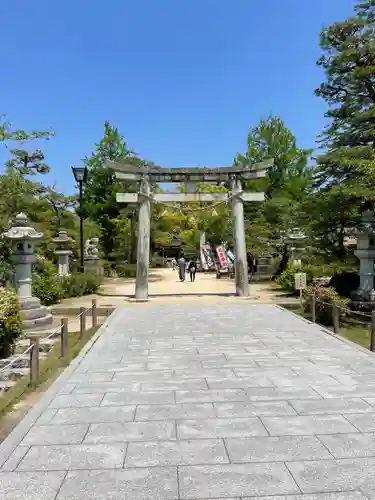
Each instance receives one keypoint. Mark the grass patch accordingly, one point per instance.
(357, 333)
(50, 368)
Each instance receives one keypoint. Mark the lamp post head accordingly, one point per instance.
(80, 174)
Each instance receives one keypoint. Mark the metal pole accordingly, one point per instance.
(81, 224)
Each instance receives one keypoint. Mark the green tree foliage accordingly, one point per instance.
(286, 184)
(26, 163)
(345, 171)
(9, 134)
(349, 63)
(101, 187)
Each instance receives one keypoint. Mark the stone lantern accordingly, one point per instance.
(365, 236)
(295, 239)
(23, 238)
(63, 242)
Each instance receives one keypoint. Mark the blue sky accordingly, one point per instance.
(183, 80)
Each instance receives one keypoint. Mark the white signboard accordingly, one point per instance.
(300, 281)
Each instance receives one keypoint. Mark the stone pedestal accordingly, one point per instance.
(363, 298)
(62, 252)
(91, 261)
(365, 252)
(93, 265)
(23, 239)
(63, 261)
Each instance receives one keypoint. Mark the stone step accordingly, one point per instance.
(44, 346)
(13, 374)
(34, 314)
(21, 362)
(29, 324)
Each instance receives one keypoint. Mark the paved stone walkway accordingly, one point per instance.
(201, 401)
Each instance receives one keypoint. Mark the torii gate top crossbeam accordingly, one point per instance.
(130, 172)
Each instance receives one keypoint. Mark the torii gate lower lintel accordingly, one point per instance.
(145, 176)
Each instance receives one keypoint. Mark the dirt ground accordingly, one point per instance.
(165, 286)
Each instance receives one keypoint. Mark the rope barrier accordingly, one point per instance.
(12, 361)
(43, 341)
(345, 309)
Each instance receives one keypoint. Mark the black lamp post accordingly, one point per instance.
(80, 175)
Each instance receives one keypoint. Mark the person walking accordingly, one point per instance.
(174, 263)
(192, 269)
(181, 267)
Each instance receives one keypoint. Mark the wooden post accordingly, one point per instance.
(372, 337)
(64, 337)
(313, 307)
(82, 321)
(335, 318)
(34, 360)
(94, 313)
(143, 247)
(241, 271)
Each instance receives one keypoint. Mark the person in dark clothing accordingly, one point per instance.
(181, 267)
(192, 269)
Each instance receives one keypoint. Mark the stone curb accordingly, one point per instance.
(11, 442)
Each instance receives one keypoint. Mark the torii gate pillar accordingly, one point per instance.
(241, 271)
(143, 247)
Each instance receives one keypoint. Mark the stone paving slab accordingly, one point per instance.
(197, 401)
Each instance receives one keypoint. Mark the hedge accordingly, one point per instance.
(10, 321)
(50, 288)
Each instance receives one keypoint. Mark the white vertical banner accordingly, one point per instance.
(222, 258)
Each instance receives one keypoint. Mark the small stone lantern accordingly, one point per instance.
(295, 239)
(23, 238)
(63, 242)
(365, 235)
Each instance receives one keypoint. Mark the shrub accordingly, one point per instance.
(47, 287)
(286, 278)
(345, 283)
(50, 288)
(10, 321)
(324, 298)
(78, 284)
(6, 272)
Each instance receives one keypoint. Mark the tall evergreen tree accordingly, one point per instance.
(286, 184)
(348, 60)
(345, 171)
(101, 187)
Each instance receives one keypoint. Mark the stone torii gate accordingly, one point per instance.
(148, 175)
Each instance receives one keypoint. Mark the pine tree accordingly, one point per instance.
(347, 168)
(101, 187)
